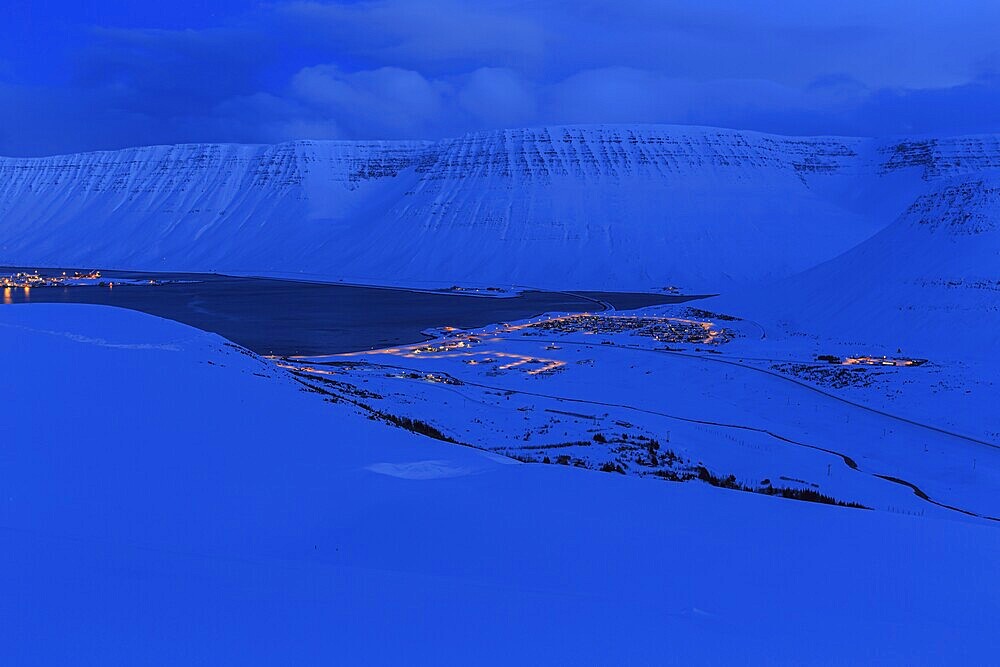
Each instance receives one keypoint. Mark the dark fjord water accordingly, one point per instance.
(287, 317)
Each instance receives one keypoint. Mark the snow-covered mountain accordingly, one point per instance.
(607, 207)
(927, 282)
(196, 206)
(592, 206)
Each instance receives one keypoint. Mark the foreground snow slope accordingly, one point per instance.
(602, 207)
(168, 498)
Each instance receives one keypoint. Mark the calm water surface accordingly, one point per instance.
(288, 317)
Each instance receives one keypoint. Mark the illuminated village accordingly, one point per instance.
(866, 360)
(24, 279)
(662, 329)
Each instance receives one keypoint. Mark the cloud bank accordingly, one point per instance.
(408, 69)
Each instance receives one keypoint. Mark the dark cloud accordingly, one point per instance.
(172, 71)
(409, 68)
(434, 37)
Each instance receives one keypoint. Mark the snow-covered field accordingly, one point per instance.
(171, 498)
(673, 392)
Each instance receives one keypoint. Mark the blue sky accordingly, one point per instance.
(118, 73)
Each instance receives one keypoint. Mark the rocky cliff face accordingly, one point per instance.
(929, 282)
(939, 158)
(612, 207)
(615, 152)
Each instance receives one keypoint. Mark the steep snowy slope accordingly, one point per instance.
(930, 281)
(196, 207)
(591, 206)
(623, 207)
(166, 498)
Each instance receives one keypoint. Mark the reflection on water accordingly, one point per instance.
(10, 297)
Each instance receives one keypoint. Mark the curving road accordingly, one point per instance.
(846, 459)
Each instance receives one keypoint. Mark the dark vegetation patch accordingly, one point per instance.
(414, 425)
(242, 350)
(828, 375)
(808, 495)
(709, 315)
(558, 445)
(345, 387)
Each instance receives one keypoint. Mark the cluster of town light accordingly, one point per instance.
(24, 279)
(663, 329)
(882, 361)
(865, 360)
(457, 346)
